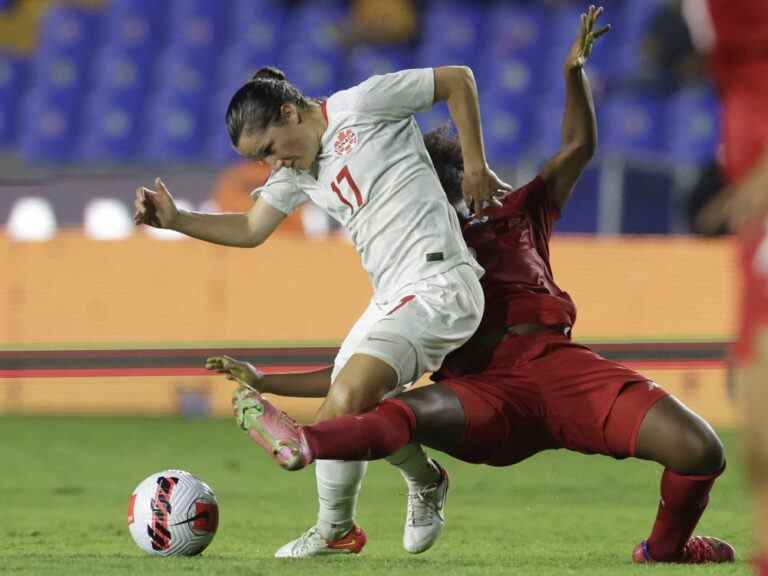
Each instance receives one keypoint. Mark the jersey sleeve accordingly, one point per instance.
(542, 211)
(282, 191)
(397, 95)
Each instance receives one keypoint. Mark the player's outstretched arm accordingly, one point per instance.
(579, 127)
(313, 384)
(157, 208)
(456, 86)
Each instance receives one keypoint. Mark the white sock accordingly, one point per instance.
(338, 484)
(414, 465)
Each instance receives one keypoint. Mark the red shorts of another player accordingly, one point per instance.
(543, 391)
(753, 260)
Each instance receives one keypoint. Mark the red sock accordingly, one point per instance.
(683, 500)
(761, 565)
(368, 436)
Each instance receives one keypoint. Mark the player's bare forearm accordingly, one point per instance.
(579, 129)
(244, 230)
(224, 229)
(313, 384)
(456, 86)
(579, 126)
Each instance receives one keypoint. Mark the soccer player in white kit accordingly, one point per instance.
(360, 156)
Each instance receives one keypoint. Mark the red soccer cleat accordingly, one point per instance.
(698, 550)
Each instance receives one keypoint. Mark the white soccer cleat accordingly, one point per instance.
(424, 519)
(312, 543)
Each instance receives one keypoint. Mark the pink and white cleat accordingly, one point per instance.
(272, 429)
(698, 550)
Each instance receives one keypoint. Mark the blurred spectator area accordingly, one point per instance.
(99, 96)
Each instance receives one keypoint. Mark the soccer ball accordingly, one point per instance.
(173, 513)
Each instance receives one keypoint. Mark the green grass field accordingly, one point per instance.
(65, 483)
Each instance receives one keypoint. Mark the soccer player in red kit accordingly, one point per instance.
(520, 385)
(734, 36)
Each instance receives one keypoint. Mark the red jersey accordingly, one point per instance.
(513, 247)
(740, 50)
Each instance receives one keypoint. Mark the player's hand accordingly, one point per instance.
(582, 46)
(482, 188)
(155, 207)
(241, 372)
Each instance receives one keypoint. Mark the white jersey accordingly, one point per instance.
(375, 177)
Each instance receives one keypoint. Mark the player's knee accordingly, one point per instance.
(703, 451)
(757, 457)
(350, 399)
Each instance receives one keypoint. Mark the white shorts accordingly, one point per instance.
(414, 331)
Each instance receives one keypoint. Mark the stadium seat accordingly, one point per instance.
(31, 219)
(507, 126)
(692, 121)
(453, 28)
(631, 124)
(135, 26)
(12, 86)
(123, 70)
(257, 28)
(177, 127)
(220, 148)
(515, 29)
(434, 118)
(182, 72)
(48, 129)
(580, 214)
(648, 201)
(314, 74)
(509, 77)
(314, 27)
(112, 127)
(60, 74)
(69, 31)
(238, 63)
(366, 61)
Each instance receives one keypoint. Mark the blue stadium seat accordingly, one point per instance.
(509, 77)
(60, 74)
(177, 129)
(453, 28)
(12, 87)
(257, 26)
(434, 118)
(120, 70)
(515, 29)
(580, 214)
(547, 119)
(220, 148)
(48, 130)
(313, 27)
(692, 119)
(366, 61)
(507, 127)
(315, 74)
(198, 28)
(69, 31)
(238, 63)
(112, 127)
(631, 124)
(183, 73)
(648, 202)
(135, 26)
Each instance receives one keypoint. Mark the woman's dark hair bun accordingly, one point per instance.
(269, 73)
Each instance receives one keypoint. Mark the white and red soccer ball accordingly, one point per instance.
(173, 513)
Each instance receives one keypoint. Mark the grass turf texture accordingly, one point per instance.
(65, 483)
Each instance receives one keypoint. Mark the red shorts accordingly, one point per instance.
(753, 260)
(543, 391)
